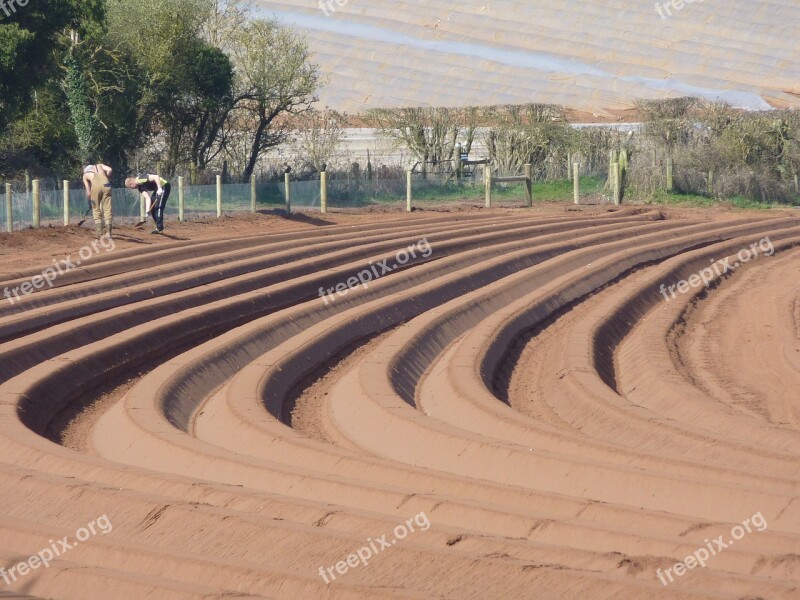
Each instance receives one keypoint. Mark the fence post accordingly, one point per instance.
(529, 184)
(142, 211)
(408, 190)
(253, 194)
(711, 182)
(181, 200)
(487, 182)
(669, 174)
(323, 192)
(9, 211)
(796, 183)
(219, 196)
(615, 175)
(576, 185)
(287, 184)
(66, 202)
(37, 206)
(569, 165)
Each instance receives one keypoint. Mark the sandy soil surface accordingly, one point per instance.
(491, 404)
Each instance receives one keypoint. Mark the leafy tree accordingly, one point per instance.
(211, 79)
(63, 47)
(179, 73)
(42, 139)
(275, 79)
(28, 39)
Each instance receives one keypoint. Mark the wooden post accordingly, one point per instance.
(66, 202)
(9, 211)
(323, 192)
(37, 207)
(142, 211)
(569, 165)
(529, 184)
(670, 184)
(487, 182)
(253, 194)
(576, 183)
(797, 183)
(181, 200)
(27, 183)
(408, 188)
(615, 177)
(287, 184)
(710, 187)
(219, 196)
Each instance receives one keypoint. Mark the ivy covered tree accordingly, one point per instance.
(77, 91)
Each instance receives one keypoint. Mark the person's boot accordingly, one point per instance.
(108, 230)
(98, 229)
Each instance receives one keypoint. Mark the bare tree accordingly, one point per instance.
(525, 134)
(319, 137)
(430, 134)
(668, 121)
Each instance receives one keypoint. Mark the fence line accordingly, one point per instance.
(38, 206)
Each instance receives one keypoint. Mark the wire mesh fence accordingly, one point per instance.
(200, 201)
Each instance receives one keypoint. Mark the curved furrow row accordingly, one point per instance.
(682, 430)
(138, 412)
(759, 384)
(216, 489)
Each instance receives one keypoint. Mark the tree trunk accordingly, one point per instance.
(255, 150)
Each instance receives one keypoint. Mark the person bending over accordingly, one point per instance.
(155, 190)
(98, 192)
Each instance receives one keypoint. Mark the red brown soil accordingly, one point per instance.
(566, 431)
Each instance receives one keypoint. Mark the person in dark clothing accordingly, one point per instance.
(155, 190)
